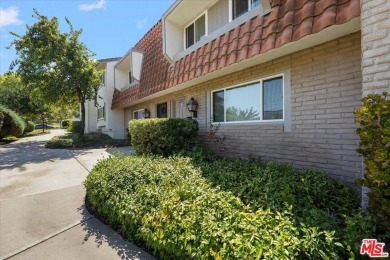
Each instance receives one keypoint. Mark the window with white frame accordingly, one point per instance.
(240, 7)
(195, 31)
(101, 113)
(260, 100)
(138, 114)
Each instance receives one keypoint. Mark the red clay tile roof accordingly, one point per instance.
(154, 69)
(289, 21)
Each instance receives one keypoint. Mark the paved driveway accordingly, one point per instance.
(42, 213)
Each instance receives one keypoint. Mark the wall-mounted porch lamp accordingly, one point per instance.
(146, 113)
(192, 105)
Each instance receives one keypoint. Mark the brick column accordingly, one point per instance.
(375, 19)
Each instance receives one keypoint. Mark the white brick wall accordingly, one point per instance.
(375, 19)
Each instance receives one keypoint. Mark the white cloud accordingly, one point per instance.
(141, 23)
(89, 7)
(9, 16)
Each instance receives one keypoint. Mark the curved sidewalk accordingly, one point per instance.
(42, 212)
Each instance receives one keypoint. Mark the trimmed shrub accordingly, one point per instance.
(13, 124)
(374, 132)
(65, 123)
(90, 140)
(60, 142)
(30, 126)
(171, 206)
(74, 126)
(162, 136)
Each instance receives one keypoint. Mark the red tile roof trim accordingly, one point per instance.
(154, 69)
(289, 21)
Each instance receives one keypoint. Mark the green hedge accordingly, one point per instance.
(177, 210)
(374, 132)
(162, 136)
(65, 123)
(74, 126)
(13, 124)
(30, 126)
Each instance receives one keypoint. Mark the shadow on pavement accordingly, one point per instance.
(15, 155)
(102, 234)
(127, 150)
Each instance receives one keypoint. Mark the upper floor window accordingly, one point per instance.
(190, 23)
(103, 77)
(261, 100)
(240, 7)
(131, 79)
(101, 113)
(195, 31)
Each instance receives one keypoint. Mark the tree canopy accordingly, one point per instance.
(14, 95)
(238, 114)
(55, 66)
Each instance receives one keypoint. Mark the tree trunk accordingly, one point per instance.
(82, 126)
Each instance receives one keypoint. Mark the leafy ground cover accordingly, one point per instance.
(90, 140)
(205, 207)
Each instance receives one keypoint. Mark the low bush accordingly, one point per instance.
(177, 210)
(13, 124)
(74, 126)
(30, 126)
(60, 142)
(65, 123)
(162, 136)
(9, 139)
(90, 140)
(374, 132)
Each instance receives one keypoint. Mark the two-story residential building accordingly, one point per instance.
(281, 77)
(99, 117)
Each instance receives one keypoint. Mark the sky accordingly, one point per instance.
(110, 27)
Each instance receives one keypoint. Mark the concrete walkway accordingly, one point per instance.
(42, 212)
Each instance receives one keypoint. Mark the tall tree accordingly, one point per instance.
(14, 95)
(55, 65)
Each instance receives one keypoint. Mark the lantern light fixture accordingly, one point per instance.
(192, 105)
(146, 113)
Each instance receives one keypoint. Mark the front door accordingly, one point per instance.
(179, 108)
